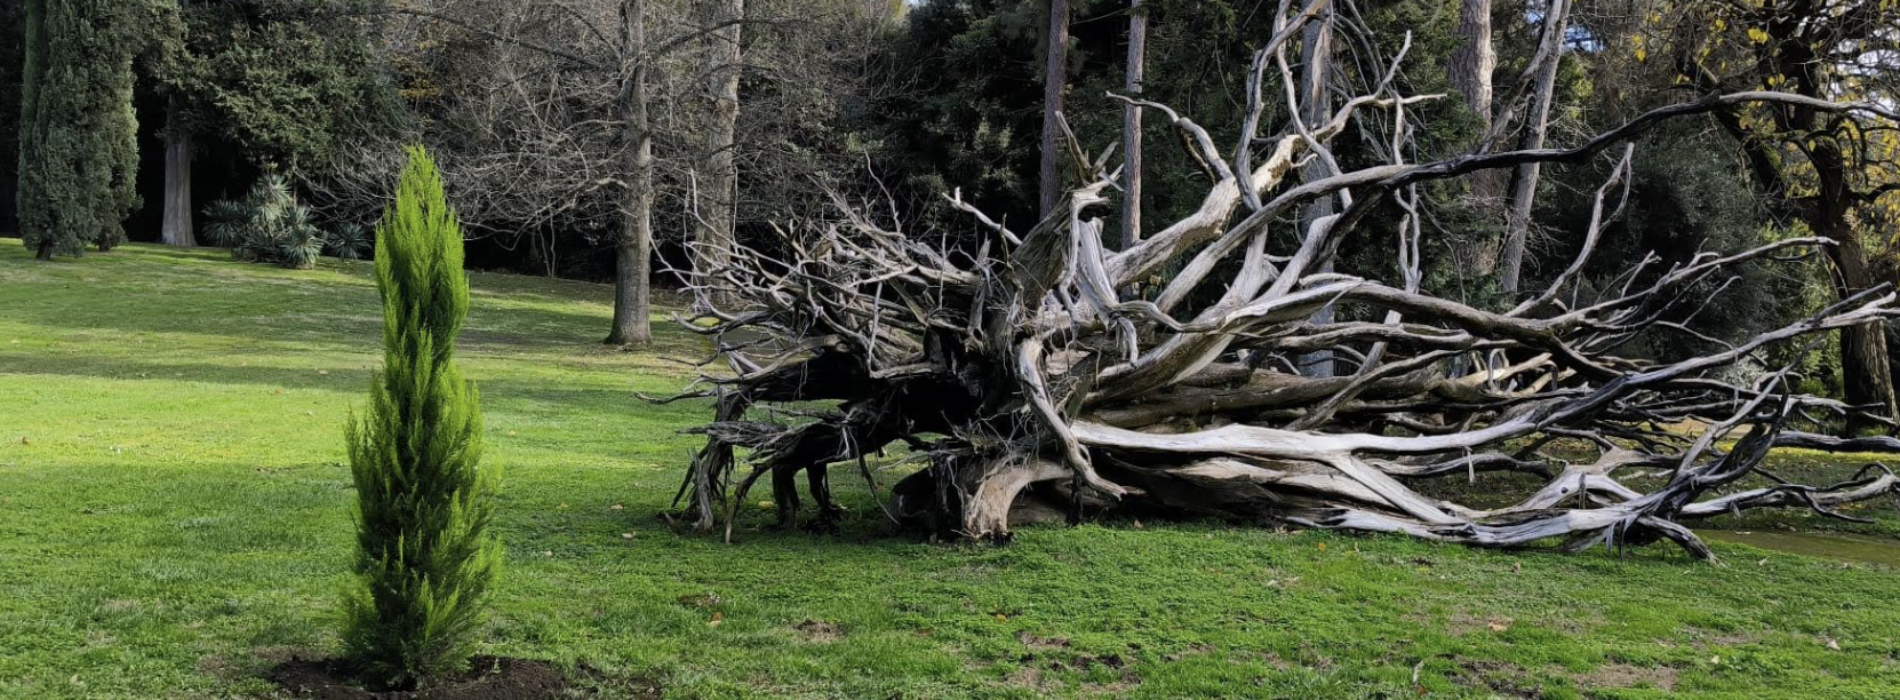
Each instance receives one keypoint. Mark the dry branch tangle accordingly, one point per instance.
(1026, 362)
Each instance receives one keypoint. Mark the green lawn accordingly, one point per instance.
(174, 520)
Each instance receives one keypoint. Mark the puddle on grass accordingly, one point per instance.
(1824, 545)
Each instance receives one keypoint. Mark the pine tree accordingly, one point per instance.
(78, 133)
(425, 558)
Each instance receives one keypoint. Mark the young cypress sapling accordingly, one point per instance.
(425, 559)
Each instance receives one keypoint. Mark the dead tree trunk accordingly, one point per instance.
(1055, 73)
(1018, 365)
(1131, 124)
(1315, 93)
(1518, 225)
(633, 243)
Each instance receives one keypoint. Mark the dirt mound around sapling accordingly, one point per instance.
(487, 678)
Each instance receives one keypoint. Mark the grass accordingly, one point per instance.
(174, 520)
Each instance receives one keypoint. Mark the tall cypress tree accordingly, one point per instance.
(425, 557)
(78, 133)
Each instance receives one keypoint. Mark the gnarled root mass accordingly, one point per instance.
(1038, 362)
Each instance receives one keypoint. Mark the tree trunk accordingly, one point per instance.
(1131, 124)
(1518, 226)
(1317, 50)
(177, 228)
(1055, 74)
(1865, 368)
(1470, 72)
(633, 246)
(712, 246)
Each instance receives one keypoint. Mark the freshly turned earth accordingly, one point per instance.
(488, 678)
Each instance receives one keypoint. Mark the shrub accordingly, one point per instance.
(269, 225)
(425, 558)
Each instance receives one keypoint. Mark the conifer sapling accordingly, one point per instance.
(425, 559)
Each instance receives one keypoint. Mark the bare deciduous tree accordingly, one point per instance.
(563, 118)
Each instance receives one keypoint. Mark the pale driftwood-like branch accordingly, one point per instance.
(1025, 366)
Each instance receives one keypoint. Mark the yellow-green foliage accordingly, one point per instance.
(425, 557)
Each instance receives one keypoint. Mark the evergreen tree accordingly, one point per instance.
(78, 133)
(12, 26)
(425, 558)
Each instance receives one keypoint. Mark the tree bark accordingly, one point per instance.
(1055, 75)
(177, 227)
(1470, 72)
(1518, 226)
(633, 246)
(1473, 62)
(1317, 49)
(1866, 368)
(1131, 124)
(712, 249)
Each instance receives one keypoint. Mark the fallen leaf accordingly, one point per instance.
(1002, 618)
(1833, 645)
(324, 372)
(1321, 546)
(1716, 660)
(626, 535)
(1138, 524)
(716, 619)
(1497, 626)
(615, 506)
(1517, 567)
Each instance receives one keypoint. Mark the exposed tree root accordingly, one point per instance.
(1029, 362)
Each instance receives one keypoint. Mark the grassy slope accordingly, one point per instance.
(173, 518)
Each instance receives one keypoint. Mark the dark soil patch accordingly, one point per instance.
(487, 678)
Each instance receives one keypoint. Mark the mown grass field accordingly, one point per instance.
(174, 520)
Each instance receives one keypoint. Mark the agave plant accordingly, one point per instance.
(267, 224)
(348, 241)
(230, 222)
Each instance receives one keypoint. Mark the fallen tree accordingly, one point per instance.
(1039, 361)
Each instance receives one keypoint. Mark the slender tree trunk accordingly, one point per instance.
(177, 228)
(1517, 227)
(1055, 74)
(1474, 61)
(1470, 72)
(31, 131)
(1131, 124)
(713, 245)
(1316, 67)
(634, 244)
